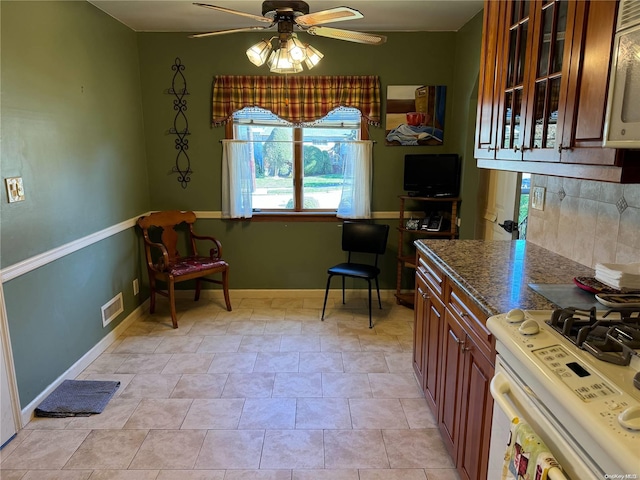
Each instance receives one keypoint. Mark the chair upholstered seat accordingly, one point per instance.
(356, 270)
(194, 264)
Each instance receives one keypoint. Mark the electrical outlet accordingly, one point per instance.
(136, 287)
(537, 198)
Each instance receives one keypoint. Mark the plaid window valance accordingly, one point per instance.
(296, 99)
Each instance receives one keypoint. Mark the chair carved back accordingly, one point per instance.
(167, 221)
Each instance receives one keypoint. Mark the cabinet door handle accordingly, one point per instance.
(561, 148)
(489, 149)
(455, 339)
(460, 314)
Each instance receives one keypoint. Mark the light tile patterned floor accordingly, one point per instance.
(265, 392)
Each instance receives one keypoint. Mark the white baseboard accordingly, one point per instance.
(84, 361)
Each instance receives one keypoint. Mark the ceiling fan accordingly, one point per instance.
(287, 14)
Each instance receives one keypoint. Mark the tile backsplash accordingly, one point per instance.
(587, 221)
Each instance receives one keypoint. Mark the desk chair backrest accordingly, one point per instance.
(364, 238)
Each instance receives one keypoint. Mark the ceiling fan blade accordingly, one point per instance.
(337, 14)
(232, 30)
(236, 12)
(350, 36)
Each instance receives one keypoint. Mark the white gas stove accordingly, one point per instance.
(594, 404)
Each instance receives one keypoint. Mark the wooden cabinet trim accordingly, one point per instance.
(432, 274)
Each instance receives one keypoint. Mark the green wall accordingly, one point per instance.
(256, 250)
(72, 128)
(406, 59)
(85, 116)
(466, 73)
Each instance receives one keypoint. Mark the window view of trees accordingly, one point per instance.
(297, 179)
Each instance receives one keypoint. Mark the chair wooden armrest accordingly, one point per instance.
(162, 263)
(215, 252)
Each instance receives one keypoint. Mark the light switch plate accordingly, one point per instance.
(15, 189)
(537, 198)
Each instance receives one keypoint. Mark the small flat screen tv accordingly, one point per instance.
(432, 175)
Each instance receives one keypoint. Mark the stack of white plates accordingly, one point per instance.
(622, 276)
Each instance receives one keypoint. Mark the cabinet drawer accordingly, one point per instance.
(470, 315)
(431, 274)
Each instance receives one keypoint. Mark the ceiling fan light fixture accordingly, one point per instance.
(259, 52)
(281, 62)
(290, 53)
(313, 56)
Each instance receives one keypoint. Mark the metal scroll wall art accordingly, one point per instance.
(180, 124)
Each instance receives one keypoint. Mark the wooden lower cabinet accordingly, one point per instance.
(451, 363)
(429, 311)
(451, 373)
(476, 410)
(421, 309)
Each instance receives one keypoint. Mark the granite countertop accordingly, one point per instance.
(497, 273)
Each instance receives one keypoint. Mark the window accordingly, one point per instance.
(297, 168)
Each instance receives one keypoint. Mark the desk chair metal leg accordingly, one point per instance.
(378, 290)
(370, 322)
(343, 290)
(326, 294)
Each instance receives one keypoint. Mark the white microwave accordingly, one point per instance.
(622, 122)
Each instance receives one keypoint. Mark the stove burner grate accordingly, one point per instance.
(611, 337)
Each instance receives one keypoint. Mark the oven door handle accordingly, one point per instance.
(500, 390)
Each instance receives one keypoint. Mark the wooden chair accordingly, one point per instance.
(165, 264)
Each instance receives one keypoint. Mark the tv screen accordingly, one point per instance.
(432, 175)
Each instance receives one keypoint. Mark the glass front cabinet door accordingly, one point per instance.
(535, 70)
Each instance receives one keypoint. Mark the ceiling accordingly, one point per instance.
(379, 15)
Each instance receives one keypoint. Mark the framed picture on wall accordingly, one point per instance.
(415, 115)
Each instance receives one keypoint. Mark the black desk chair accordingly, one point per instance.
(360, 238)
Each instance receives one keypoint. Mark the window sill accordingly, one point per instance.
(295, 217)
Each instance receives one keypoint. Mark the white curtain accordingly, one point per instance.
(237, 179)
(357, 178)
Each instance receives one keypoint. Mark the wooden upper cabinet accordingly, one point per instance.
(486, 126)
(549, 61)
(513, 69)
(549, 69)
(589, 84)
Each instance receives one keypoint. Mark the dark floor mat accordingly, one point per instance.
(77, 398)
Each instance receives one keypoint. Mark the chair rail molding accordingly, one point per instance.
(37, 261)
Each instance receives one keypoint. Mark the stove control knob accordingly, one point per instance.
(529, 327)
(515, 316)
(630, 418)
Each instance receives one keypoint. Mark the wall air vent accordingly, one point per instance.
(629, 14)
(112, 309)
